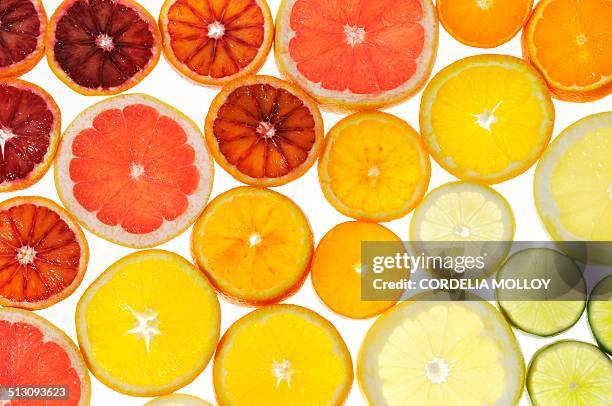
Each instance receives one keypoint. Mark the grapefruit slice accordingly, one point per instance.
(568, 42)
(282, 355)
(43, 253)
(22, 32)
(30, 126)
(213, 42)
(134, 170)
(102, 47)
(357, 55)
(264, 131)
(35, 352)
(178, 399)
(255, 245)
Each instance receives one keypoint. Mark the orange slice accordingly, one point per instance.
(264, 131)
(213, 42)
(569, 43)
(357, 55)
(374, 167)
(255, 245)
(102, 47)
(483, 23)
(134, 170)
(43, 253)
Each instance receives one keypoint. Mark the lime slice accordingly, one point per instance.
(600, 313)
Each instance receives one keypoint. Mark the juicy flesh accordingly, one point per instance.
(216, 38)
(134, 168)
(363, 47)
(600, 312)
(26, 124)
(19, 31)
(39, 254)
(264, 131)
(102, 43)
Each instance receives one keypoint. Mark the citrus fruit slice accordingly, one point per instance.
(255, 245)
(22, 35)
(483, 23)
(149, 324)
(487, 117)
(264, 131)
(178, 399)
(30, 125)
(134, 170)
(374, 167)
(282, 355)
(99, 47)
(599, 312)
(43, 253)
(357, 55)
(568, 42)
(544, 312)
(427, 352)
(213, 42)
(36, 353)
(336, 269)
(570, 372)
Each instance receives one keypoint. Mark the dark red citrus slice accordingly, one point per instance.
(264, 131)
(101, 47)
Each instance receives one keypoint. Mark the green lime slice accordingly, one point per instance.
(600, 313)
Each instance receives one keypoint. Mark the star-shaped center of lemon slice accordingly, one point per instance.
(282, 371)
(147, 326)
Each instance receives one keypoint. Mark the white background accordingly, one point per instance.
(165, 84)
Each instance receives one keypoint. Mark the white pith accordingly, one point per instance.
(216, 30)
(282, 371)
(5, 135)
(354, 35)
(146, 327)
(105, 42)
(26, 255)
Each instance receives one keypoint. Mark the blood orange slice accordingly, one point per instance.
(134, 170)
(36, 353)
(43, 253)
(215, 41)
(22, 31)
(357, 54)
(29, 133)
(100, 47)
(264, 131)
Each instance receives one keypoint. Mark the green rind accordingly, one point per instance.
(597, 290)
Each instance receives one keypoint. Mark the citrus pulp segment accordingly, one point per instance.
(570, 44)
(213, 42)
(264, 131)
(427, 352)
(149, 324)
(102, 47)
(283, 355)
(30, 126)
(486, 118)
(374, 167)
(22, 35)
(177, 399)
(599, 312)
(255, 245)
(36, 353)
(134, 170)
(570, 372)
(43, 253)
(357, 55)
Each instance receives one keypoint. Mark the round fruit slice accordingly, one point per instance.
(487, 118)
(374, 167)
(569, 44)
(264, 131)
(357, 55)
(255, 245)
(282, 355)
(149, 324)
(599, 312)
(134, 170)
(543, 312)
(426, 352)
(483, 23)
(30, 125)
(570, 373)
(22, 32)
(102, 47)
(214, 42)
(43, 253)
(178, 399)
(36, 353)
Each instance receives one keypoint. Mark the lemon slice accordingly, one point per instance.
(599, 311)
(441, 352)
(177, 399)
